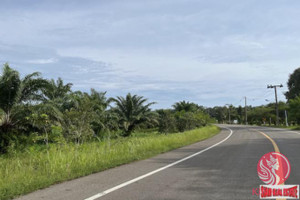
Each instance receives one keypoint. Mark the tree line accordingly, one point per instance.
(34, 110)
(265, 114)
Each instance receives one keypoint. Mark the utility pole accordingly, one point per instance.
(246, 120)
(276, 100)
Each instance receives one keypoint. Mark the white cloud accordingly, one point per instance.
(42, 61)
(212, 52)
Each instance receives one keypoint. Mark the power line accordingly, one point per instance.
(260, 97)
(238, 101)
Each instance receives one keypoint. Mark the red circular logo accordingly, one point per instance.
(273, 168)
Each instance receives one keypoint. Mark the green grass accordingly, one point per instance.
(30, 170)
(287, 127)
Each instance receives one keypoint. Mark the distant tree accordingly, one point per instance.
(186, 106)
(294, 110)
(219, 113)
(293, 85)
(240, 114)
(132, 111)
(233, 113)
(260, 115)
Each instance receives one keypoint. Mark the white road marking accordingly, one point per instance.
(101, 194)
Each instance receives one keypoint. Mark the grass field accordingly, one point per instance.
(24, 172)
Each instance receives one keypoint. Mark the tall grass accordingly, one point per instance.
(23, 172)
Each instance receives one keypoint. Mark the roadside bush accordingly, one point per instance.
(77, 125)
(167, 122)
(171, 121)
(185, 121)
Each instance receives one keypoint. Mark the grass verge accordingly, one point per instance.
(286, 127)
(24, 172)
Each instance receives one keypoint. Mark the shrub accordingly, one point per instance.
(167, 122)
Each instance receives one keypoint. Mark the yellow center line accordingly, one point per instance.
(274, 145)
(273, 142)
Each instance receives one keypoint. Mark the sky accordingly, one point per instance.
(211, 52)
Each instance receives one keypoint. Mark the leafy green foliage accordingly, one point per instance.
(187, 106)
(218, 113)
(42, 123)
(293, 85)
(15, 92)
(36, 111)
(84, 115)
(184, 116)
(131, 112)
(9, 88)
(294, 110)
(167, 121)
(57, 89)
(261, 115)
(36, 167)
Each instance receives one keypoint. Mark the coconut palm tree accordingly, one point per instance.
(14, 92)
(132, 111)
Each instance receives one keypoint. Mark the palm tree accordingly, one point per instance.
(56, 95)
(15, 91)
(131, 112)
(98, 104)
(57, 89)
(186, 106)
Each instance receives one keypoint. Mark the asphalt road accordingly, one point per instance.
(223, 168)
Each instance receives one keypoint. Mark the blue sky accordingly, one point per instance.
(208, 52)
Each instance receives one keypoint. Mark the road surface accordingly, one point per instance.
(222, 167)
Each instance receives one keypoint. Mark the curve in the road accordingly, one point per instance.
(276, 148)
(96, 196)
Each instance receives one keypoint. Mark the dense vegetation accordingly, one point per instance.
(36, 168)
(36, 111)
(265, 114)
(50, 133)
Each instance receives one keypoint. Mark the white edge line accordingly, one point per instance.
(156, 171)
